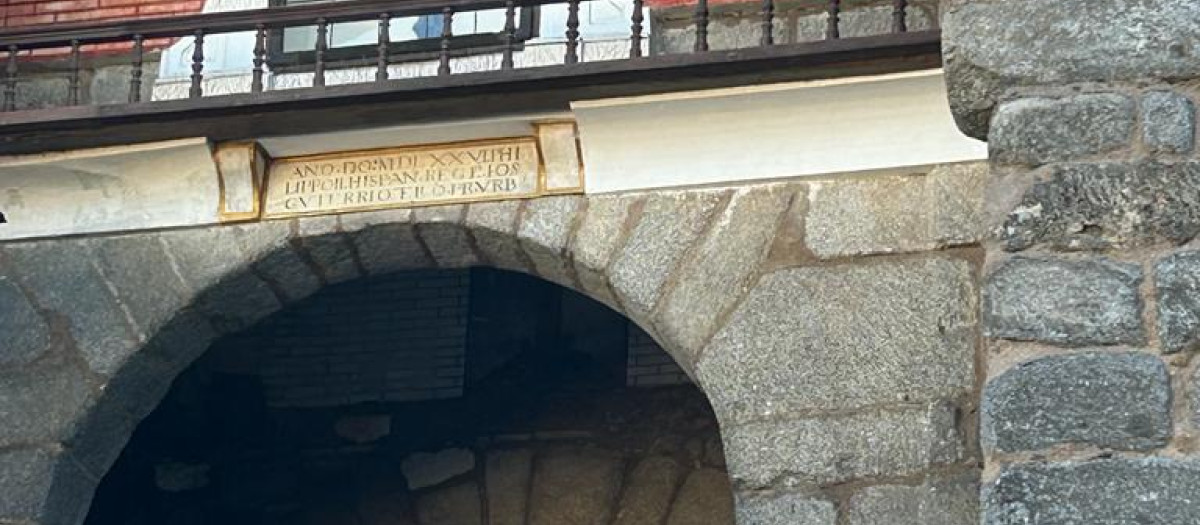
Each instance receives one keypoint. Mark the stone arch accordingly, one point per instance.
(822, 369)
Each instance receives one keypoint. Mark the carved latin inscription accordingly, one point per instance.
(397, 177)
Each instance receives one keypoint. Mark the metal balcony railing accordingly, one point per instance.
(509, 87)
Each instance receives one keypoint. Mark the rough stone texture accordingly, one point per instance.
(950, 502)
(268, 245)
(671, 222)
(145, 277)
(1168, 122)
(440, 228)
(784, 509)
(1108, 204)
(1120, 401)
(728, 257)
(64, 278)
(26, 334)
(1177, 285)
(544, 232)
(28, 478)
(328, 248)
(896, 213)
(385, 241)
(454, 505)
(493, 225)
(42, 404)
(1070, 302)
(599, 234)
(991, 46)
(508, 473)
(213, 267)
(649, 490)
(574, 485)
(1041, 130)
(705, 498)
(836, 449)
(1156, 491)
(428, 469)
(843, 337)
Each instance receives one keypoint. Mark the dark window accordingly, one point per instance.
(412, 38)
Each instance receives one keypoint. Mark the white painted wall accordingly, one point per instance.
(763, 132)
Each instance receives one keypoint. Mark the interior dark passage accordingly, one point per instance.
(443, 397)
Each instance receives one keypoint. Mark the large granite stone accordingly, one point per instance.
(145, 278)
(599, 235)
(544, 232)
(1069, 302)
(63, 276)
(1168, 122)
(508, 473)
(213, 266)
(843, 337)
(1041, 130)
(328, 248)
(440, 229)
(990, 46)
(648, 492)
(1156, 491)
(268, 244)
(43, 403)
(26, 335)
(40, 485)
(574, 485)
(385, 241)
(727, 258)
(705, 498)
(836, 449)
(670, 224)
(775, 508)
(1177, 285)
(896, 213)
(1120, 401)
(940, 502)
(493, 225)
(1107, 204)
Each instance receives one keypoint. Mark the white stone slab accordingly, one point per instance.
(157, 185)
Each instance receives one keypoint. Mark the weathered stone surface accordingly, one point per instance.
(991, 46)
(896, 213)
(1108, 204)
(268, 245)
(1168, 122)
(784, 509)
(727, 258)
(1119, 401)
(574, 485)
(144, 275)
(42, 485)
(1177, 285)
(544, 232)
(599, 235)
(63, 276)
(842, 337)
(704, 499)
(1070, 302)
(385, 241)
(671, 222)
(649, 490)
(214, 267)
(493, 224)
(1042, 130)
(835, 449)
(26, 335)
(508, 473)
(42, 404)
(454, 505)
(328, 248)
(1102, 492)
(950, 502)
(440, 228)
(425, 469)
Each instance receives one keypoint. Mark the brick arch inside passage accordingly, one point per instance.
(841, 383)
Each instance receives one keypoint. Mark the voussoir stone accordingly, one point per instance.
(597, 239)
(26, 335)
(940, 502)
(442, 231)
(1168, 122)
(1107, 204)
(835, 449)
(773, 508)
(328, 248)
(544, 232)
(1177, 285)
(44, 486)
(1101, 492)
(42, 403)
(213, 265)
(385, 241)
(1069, 302)
(145, 277)
(1120, 401)
(843, 337)
(991, 46)
(493, 225)
(670, 224)
(1041, 130)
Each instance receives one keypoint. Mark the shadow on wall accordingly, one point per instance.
(422, 398)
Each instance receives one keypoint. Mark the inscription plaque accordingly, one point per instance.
(406, 176)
